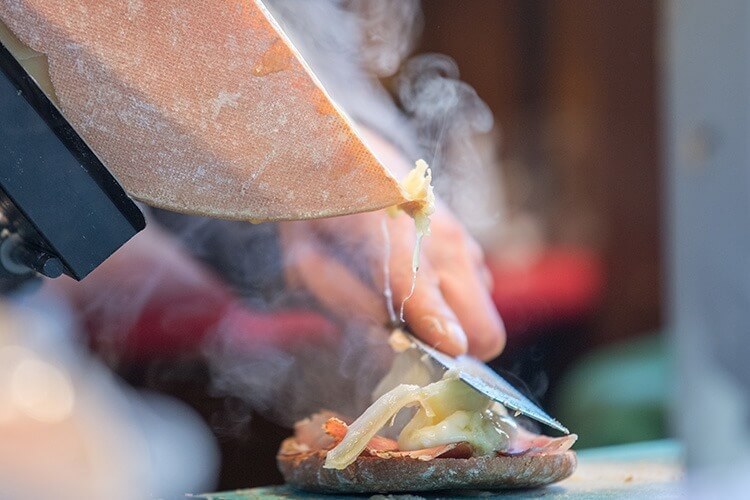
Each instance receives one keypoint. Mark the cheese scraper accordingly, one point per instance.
(485, 380)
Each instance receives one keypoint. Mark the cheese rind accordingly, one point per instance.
(203, 108)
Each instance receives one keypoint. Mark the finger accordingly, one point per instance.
(425, 311)
(430, 318)
(465, 282)
(476, 254)
(476, 257)
(466, 295)
(333, 284)
(486, 276)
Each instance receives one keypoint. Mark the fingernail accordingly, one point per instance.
(457, 335)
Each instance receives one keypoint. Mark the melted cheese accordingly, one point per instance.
(471, 427)
(398, 341)
(450, 412)
(453, 412)
(369, 423)
(417, 188)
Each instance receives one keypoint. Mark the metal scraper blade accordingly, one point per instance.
(485, 380)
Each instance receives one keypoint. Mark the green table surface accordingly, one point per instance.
(642, 470)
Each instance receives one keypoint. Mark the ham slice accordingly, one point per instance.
(311, 431)
(324, 430)
(337, 429)
(525, 442)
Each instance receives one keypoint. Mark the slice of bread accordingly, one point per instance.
(377, 475)
(202, 107)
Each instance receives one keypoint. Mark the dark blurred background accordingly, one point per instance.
(574, 87)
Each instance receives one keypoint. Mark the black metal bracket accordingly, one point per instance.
(69, 213)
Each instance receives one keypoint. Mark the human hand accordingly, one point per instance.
(152, 299)
(342, 262)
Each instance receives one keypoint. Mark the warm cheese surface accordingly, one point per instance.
(449, 412)
(453, 412)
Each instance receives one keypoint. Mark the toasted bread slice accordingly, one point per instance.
(389, 475)
(201, 107)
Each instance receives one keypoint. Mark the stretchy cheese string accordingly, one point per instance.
(417, 188)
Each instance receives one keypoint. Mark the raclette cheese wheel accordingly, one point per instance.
(201, 107)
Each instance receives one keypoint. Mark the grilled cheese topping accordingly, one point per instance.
(450, 412)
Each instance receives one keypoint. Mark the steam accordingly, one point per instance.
(452, 123)
(336, 39)
(440, 106)
(389, 30)
(290, 382)
(246, 256)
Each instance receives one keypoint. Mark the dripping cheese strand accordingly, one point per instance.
(414, 269)
(387, 291)
(417, 188)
